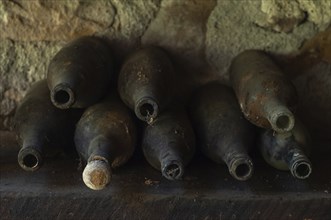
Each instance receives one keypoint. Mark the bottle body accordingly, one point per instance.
(266, 97)
(169, 143)
(287, 151)
(145, 82)
(80, 73)
(105, 138)
(224, 135)
(314, 108)
(38, 124)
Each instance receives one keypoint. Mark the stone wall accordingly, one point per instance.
(202, 36)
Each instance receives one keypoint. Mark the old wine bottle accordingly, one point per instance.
(145, 82)
(105, 138)
(42, 129)
(287, 151)
(265, 96)
(224, 134)
(80, 73)
(169, 143)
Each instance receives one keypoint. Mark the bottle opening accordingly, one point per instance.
(62, 97)
(242, 170)
(172, 171)
(146, 110)
(279, 115)
(283, 122)
(30, 161)
(303, 170)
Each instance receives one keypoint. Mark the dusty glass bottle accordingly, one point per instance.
(80, 73)
(105, 138)
(169, 143)
(42, 129)
(224, 135)
(145, 82)
(287, 151)
(266, 97)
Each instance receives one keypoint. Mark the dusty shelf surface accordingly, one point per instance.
(137, 191)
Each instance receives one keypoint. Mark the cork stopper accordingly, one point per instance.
(97, 174)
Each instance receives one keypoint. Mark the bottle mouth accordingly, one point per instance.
(241, 169)
(301, 169)
(29, 159)
(97, 174)
(62, 96)
(283, 122)
(147, 110)
(173, 170)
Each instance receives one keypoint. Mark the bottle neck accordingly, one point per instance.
(238, 162)
(30, 157)
(35, 141)
(279, 116)
(298, 163)
(171, 161)
(100, 148)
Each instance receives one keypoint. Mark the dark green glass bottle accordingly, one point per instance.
(266, 97)
(105, 138)
(146, 82)
(169, 143)
(79, 75)
(224, 135)
(287, 151)
(42, 129)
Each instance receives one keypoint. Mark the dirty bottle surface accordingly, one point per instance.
(287, 151)
(146, 82)
(105, 138)
(42, 129)
(314, 107)
(79, 75)
(224, 135)
(169, 143)
(266, 97)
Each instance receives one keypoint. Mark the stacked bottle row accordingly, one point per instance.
(78, 105)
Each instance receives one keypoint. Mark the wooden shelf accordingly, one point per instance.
(137, 191)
